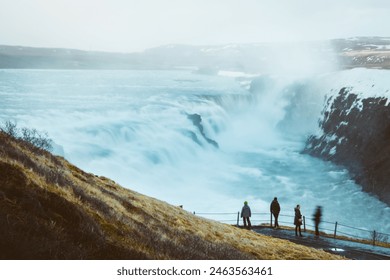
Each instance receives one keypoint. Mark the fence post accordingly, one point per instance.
(304, 224)
(271, 220)
(374, 237)
(335, 230)
(238, 218)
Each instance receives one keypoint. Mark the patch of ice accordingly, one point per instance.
(340, 140)
(330, 138)
(332, 151)
(236, 74)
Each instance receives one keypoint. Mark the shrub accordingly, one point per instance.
(379, 237)
(33, 137)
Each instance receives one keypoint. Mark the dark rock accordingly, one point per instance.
(197, 121)
(356, 134)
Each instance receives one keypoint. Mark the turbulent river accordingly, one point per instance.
(207, 142)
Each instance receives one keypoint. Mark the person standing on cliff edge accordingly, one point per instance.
(298, 220)
(275, 209)
(317, 219)
(246, 214)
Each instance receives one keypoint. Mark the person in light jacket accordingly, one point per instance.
(298, 220)
(246, 214)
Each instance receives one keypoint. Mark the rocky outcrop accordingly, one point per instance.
(197, 121)
(355, 133)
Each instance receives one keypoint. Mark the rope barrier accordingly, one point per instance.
(374, 235)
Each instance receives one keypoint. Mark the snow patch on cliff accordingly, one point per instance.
(363, 82)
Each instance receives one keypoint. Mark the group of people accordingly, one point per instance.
(275, 210)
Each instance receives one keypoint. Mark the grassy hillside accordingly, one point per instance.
(50, 209)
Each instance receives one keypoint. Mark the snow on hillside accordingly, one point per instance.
(363, 82)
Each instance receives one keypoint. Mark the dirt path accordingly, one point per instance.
(348, 249)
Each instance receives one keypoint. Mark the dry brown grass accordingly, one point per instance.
(50, 209)
(367, 53)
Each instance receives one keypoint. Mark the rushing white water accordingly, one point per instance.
(136, 128)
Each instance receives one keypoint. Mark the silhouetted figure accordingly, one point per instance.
(317, 219)
(275, 209)
(246, 214)
(298, 220)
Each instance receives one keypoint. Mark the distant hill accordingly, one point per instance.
(371, 52)
(18, 57)
(50, 209)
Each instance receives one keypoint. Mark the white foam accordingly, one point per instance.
(132, 126)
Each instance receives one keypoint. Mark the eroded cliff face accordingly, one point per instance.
(355, 133)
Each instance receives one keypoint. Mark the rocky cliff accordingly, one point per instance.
(355, 133)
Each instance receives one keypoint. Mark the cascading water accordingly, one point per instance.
(204, 142)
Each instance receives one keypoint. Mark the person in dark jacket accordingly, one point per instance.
(298, 220)
(275, 209)
(246, 214)
(317, 219)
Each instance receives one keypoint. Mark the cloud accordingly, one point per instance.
(128, 25)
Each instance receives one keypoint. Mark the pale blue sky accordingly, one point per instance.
(133, 25)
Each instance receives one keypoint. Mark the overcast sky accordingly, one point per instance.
(133, 25)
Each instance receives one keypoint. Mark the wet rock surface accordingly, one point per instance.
(356, 135)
